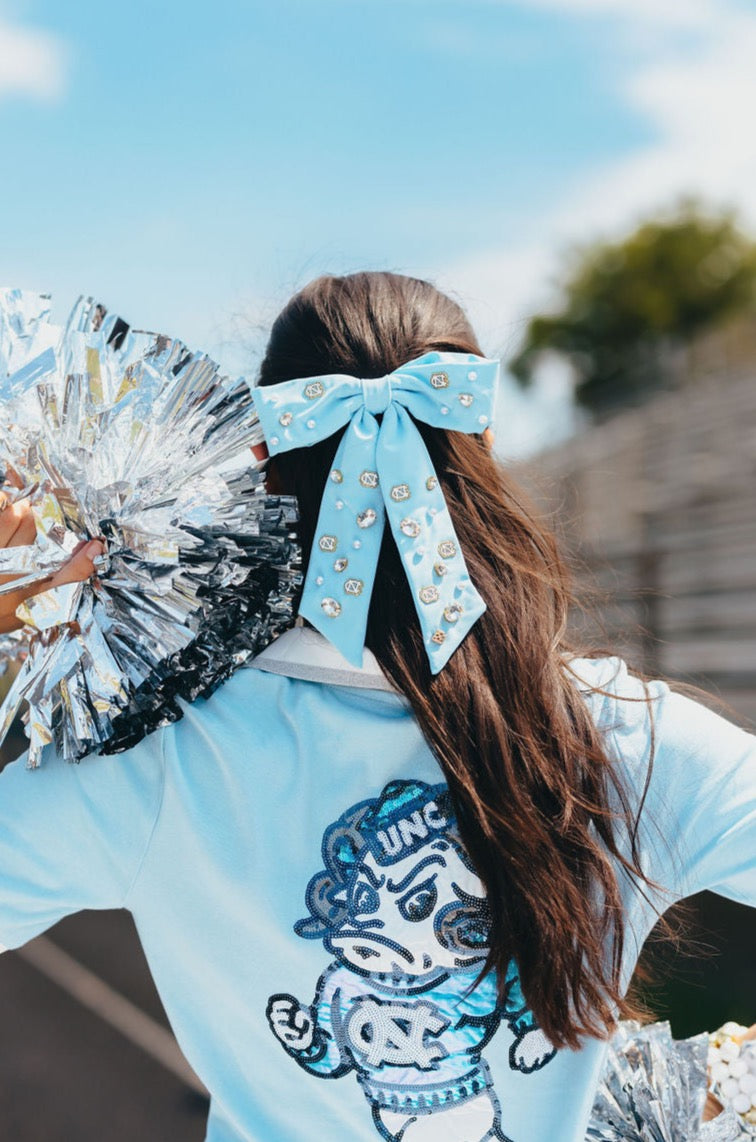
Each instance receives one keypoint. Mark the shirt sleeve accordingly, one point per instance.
(699, 815)
(73, 836)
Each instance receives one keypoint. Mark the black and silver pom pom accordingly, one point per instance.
(129, 436)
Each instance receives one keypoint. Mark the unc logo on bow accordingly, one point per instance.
(454, 391)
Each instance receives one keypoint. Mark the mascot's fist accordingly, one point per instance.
(531, 1052)
(291, 1023)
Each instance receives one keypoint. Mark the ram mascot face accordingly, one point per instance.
(398, 896)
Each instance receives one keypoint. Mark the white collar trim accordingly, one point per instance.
(302, 652)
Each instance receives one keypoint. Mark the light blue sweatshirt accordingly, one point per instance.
(313, 925)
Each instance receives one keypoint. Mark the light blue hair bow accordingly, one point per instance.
(384, 470)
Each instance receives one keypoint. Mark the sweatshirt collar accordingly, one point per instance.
(302, 652)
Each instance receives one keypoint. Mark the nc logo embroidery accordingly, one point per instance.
(395, 1034)
(403, 917)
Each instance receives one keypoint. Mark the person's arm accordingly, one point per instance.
(73, 836)
(17, 529)
(700, 812)
(713, 764)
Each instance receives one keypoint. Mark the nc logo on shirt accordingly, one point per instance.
(403, 917)
(396, 1034)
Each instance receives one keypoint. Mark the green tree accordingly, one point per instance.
(624, 303)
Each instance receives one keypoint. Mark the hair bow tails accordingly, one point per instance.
(347, 542)
(445, 599)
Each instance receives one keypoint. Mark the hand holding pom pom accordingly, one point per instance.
(128, 438)
(17, 528)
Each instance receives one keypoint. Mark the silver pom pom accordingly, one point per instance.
(130, 437)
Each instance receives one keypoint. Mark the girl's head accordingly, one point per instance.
(365, 325)
(524, 762)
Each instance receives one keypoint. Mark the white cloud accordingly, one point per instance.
(701, 104)
(693, 78)
(32, 62)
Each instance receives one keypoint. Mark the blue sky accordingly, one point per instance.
(193, 164)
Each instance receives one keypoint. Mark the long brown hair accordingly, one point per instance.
(541, 808)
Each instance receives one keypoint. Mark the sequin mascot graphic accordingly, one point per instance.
(402, 912)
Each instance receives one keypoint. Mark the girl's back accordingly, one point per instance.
(292, 860)
(401, 902)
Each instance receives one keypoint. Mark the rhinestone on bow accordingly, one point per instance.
(452, 612)
(366, 518)
(313, 390)
(328, 543)
(331, 607)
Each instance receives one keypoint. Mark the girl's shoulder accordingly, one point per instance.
(607, 672)
(623, 704)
